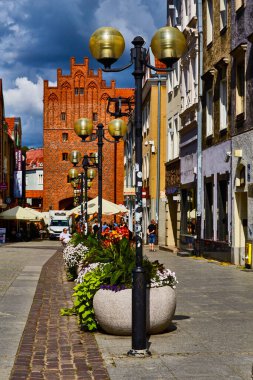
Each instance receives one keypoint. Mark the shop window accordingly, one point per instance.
(188, 214)
(184, 212)
(222, 215)
(208, 210)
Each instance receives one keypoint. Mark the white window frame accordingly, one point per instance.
(209, 113)
(223, 13)
(240, 99)
(40, 179)
(176, 136)
(209, 20)
(170, 146)
(223, 103)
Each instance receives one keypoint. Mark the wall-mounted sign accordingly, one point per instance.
(17, 190)
(18, 160)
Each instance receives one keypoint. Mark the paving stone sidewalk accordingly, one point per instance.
(53, 347)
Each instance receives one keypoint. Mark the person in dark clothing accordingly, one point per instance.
(95, 227)
(151, 231)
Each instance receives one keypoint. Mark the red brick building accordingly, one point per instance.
(82, 93)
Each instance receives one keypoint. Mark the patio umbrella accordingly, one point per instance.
(108, 208)
(19, 213)
(38, 215)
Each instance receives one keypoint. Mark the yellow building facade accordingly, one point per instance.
(154, 153)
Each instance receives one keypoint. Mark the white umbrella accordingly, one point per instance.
(122, 208)
(36, 213)
(108, 208)
(19, 213)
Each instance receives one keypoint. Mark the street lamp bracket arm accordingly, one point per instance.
(161, 69)
(116, 70)
(112, 141)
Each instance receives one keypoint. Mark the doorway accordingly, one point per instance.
(240, 225)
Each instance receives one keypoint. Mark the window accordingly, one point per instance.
(40, 179)
(63, 116)
(64, 156)
(223, 14)
(209, 18)
(176, 75)
(239, 4)
(208, 232)
(65, 137)
(95, 116)
(176, 137)
(240, 85)
(209, 113)
(222, 215)
(170, 140)
(76, 90)
(223, 103)
(81, 91)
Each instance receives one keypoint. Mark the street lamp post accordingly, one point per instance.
(107, 45)
(86, 177)
(84, 129)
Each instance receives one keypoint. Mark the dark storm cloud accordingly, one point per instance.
(37, 37)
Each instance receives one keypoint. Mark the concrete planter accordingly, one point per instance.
(113, 310)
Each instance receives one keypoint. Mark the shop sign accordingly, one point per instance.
(129, 191)
(18, 160)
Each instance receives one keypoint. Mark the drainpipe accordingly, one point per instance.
(158, 149)
(199, 133)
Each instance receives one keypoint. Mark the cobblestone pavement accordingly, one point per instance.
(53, 347)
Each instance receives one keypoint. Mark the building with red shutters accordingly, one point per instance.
(82, 93)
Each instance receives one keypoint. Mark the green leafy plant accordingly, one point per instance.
(84, 293)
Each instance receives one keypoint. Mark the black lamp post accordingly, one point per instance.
(107, 45)
(86, 177)
(84, 129)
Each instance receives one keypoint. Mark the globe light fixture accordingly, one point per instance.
(107, 45)
(83, 128)
(75, 157)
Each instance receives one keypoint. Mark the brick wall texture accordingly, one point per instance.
(82, 93)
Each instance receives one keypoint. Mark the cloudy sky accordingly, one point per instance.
(39, 36)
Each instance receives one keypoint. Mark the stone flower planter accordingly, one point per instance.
(113, 310)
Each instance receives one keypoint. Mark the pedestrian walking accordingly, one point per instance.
(151, 231)
(95, 227)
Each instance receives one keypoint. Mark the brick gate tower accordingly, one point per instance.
(83, 93)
